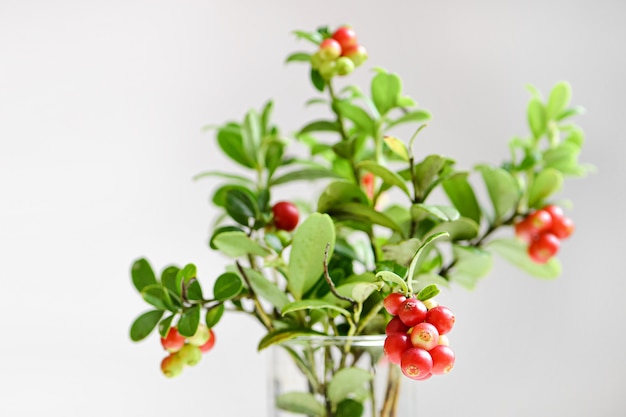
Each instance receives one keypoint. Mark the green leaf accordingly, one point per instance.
(393, 277)
(221, 230)
(266, 289)
(273, 155)
(349, 408)
(194, 290)
(363, 213)
(317, 80)
(427, 171)
(165, 324)
(300, 403)
(515, 252)
(546, 183)
(413, 116)
(313, 37)
(321, 126)
(416, 258)
(503, 189)
(349, 383)
(387, 176)
(298, 57)
(362, 290)
(304, 174)
(144, 324)
(157, 296)
(428, 292)
(213, 315)
(397, 147)
(189, 321)
(401, 253)
(444, 213)
(339, 192)
(219, 196)
(536, 117)
(313, 305)
(283, 335)
(241, 206)
(226, 175)
(559, 99)
(251, 135)
(471, 265)
(574, 111)
(236, 244)
(461, 229)
(265, 118)
(306, 259)
(461, 195)
(142, 274)
(386, 89)
(227, 286)
(230, 141)
(357, 115)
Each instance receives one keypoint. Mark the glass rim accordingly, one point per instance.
(370, 340)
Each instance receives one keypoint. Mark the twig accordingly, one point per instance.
(330, 281)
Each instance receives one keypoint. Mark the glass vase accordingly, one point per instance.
(327, 376)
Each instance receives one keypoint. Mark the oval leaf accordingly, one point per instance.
(142, 274)
(503, 189)
(349, 382)
(515, 252)
(462, 196)
(428, 292)
(300, 403)
(397, 147)
(165, 324)
(189, 321)
(536, 117)
(386, 89)
(266, 289)
(227, 286)
(236, 244)
(385, 174)
(559, 99)
(213, 315)
(546, 183)
(144, 324)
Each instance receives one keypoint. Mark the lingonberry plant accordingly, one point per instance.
(352, 262)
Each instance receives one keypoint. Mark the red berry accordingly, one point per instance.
(442, 318)
(563, 227)
(209, 343)
(172, 365)
(525, 231)
(540, 220)
(544, 247)
(425, 336)
(286, 215)
(329, 50)
(356, 53)
(412, 311)
(416, 363)
(395, 325)
(190, 354)
(173, 341)
(395, 346)
(345, 36)
(443, 359)
(555, 211)
(425, 377)
(393, 301)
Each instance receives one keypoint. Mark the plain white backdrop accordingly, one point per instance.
(101, 109)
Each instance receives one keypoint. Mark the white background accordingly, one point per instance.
(101, 109)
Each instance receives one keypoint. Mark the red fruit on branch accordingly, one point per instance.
(346, 37)
(562, 226)
(544, 247)
(540, 221)
(395, 346)
(286, 215)
(424, 335)
(209, 343)
(172, 365)
(329, 50)
(173, 341)
(356, 53)
(525, 231)
(190, 354)
(416, 363)
(393, 302)
(344, 66)
(442, 318)
(412, 311)
(395, 326)
(443, 359)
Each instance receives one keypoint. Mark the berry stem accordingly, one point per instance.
(258, 310)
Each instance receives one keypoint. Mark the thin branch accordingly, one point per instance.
(263, 317)
(333, 289)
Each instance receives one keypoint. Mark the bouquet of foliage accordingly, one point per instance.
(368, 254)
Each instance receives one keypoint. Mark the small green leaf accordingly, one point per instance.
(313, 305)
(144, 324)
(386, 89)
(362, 290)
(427, 292)
(194, 290)
(189, 321)
(236, 244)
(402, 252)
(283, 335)
(393, 277)
(413, 116)
(503, 189)
(444, 213)
(357, 115)
(157, 296)
(230, 141)
(273, 155)
(266, 289)
(461, 195)
(219, 196)
(227, 286)
(363, 213)
(559, 99)
(397, 147)
(349, 383)
(339, 192)
(574, 111)
(349, 408)
(298, 57)
(313, 37)
(265, 118)
(300, 403)
(427, 171)
(385, 174)
(471, 265)
(317, 80)
(241, 206)
(307, 174)
(321, 126)
(546, 183)
(251, 136)
(536, 117)
(221, 230)
(213, 315)
(165, 324)
(142, 274)
(416, 258)
(461, 229)
(515, 252)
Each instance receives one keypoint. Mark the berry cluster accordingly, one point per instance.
(416, 336)
(339, 54)
(543, 231)
(185, 351)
